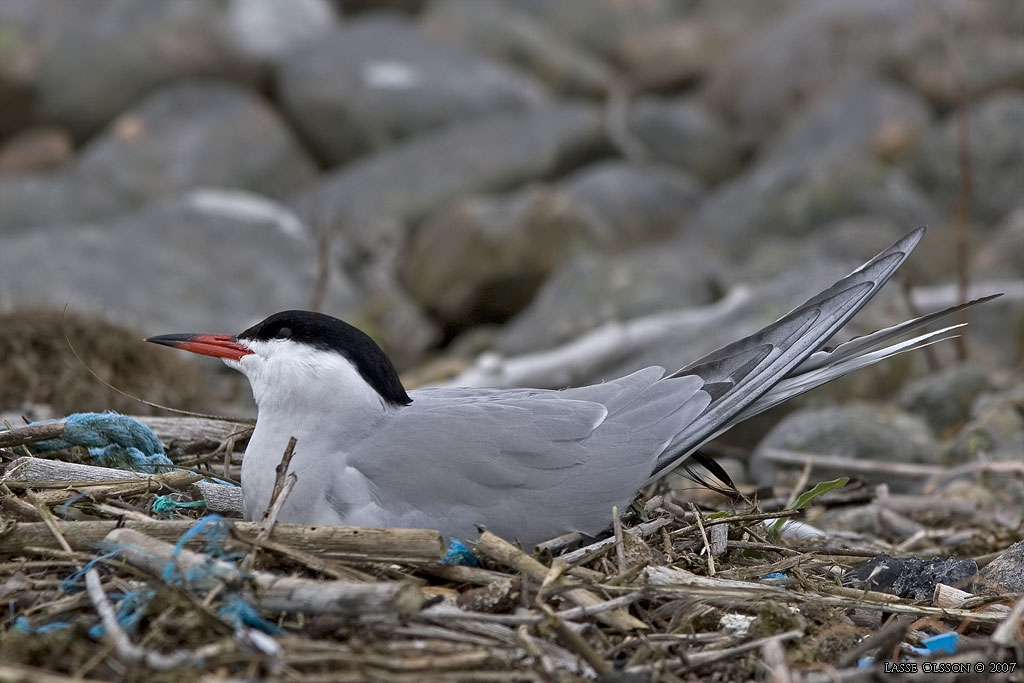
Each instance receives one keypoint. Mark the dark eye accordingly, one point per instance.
(284, 333)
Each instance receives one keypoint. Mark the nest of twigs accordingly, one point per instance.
(132, 579)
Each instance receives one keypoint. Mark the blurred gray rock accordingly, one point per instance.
(857, 430)
(944, 398)
(682, 132)
(985, 55)
(411, 179)
(686, 46)
(605, 23)
(995, 330)
(1005, 574)
(88, 61)
(791, 197)
(1001, 253)
(266, 30)
(378, 79)
(213, 260)
(514, 37)
(31, 199)
(831, 163)
(624, 204)
(188, 135)
(996, 149)
(859, 117)
(997, 430)
(779, 70)
(191, 135)
(483, 258)
(657, 43)
(597, 287)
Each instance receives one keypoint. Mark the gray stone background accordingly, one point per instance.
(468, 176)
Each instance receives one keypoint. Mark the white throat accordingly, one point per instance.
(315, 395)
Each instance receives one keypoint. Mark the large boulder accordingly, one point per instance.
(85, 62)
(212, 260)
(597, 287)
(187, 135)
(995, 125)
(482, 258)
(832, 162)
(193, 135)
(770, 77)
(682, 132)
(510, 35)
(378, 79)
(859, 430)
(413, 178)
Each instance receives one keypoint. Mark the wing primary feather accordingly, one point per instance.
(792, 338)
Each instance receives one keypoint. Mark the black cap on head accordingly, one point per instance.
(330, 334)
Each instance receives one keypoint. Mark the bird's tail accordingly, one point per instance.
(779, 361)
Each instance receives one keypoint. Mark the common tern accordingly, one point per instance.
(527, 464)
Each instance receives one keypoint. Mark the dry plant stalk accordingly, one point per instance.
(505, 553)
(341, 542)
(272, 592)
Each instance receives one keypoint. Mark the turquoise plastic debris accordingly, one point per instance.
(458, 553)
(170, 502)
(942, 644)
(113, 440)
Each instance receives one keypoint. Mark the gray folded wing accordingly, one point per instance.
(527, 464)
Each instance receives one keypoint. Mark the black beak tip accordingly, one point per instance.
(169, 339)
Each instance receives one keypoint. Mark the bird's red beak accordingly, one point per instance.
(216, 345)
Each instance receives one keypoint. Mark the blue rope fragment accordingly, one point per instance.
(70, 584)
(113, 440)
(241, 613)
(65, 508)
(216, 529)
(129, 612)
(23, 625)
(458, 553)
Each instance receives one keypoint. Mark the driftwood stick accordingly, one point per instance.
(43, 473)
(19, 436)
(174, 431)
(947, 596)
(273, 592)
(643, 530)
(852, 466)
(510, 556)
(220, 498)
(16, 673)
(160, 482)
(565, 364)
(338, 542)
